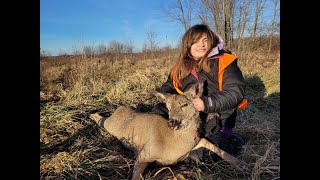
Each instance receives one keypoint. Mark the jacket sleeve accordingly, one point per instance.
(167, 87)
(233, 91)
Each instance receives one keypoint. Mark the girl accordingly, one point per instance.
(202, 57)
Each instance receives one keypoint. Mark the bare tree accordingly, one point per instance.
(151, 43)
(76, 50)
(203, 14)
(222, 12)
(231, 19)
(214, 9)
(82, 46)
(228, 16)
(87, 51)
(41, 53)
(275, 10)
(93, 50)
(180, 11)
(44, 53)
(244, 7)
(102, 49)
(115, 47)
(259, 6)
(128, 46)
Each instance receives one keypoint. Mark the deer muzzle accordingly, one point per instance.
(174, 124)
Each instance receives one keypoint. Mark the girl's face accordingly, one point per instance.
(199, 48)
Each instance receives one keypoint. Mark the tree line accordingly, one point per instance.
(235, 20)
(243, 24)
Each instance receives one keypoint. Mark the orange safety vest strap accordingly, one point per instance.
(225, 61)
(176, 86)
(175, 83)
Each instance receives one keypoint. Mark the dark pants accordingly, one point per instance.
(211, 123)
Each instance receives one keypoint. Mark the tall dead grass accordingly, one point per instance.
(73, 147)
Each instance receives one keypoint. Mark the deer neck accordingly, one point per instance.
(190, 133)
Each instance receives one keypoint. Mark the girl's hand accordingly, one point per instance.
(198, 104)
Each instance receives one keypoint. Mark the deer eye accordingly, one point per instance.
(185, 105)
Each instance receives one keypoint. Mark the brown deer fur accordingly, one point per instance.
(153, 138)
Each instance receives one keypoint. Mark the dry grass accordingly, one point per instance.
(74, 147)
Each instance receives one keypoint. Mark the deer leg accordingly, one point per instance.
(224, 155)
(98, 119)
(139, 167)
(197, 154)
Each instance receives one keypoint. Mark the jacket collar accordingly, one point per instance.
(218, 48)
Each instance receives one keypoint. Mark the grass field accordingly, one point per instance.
(73, 147)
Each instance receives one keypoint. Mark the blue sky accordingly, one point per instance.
(63, 23)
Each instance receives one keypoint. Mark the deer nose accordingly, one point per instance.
(174, 123)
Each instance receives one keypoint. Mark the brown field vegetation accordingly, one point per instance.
(73, 147)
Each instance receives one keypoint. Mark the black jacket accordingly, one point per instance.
(233, 89)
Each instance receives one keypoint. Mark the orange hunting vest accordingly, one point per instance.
(224, 61)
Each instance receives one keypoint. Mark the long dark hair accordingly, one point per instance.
(186, 63)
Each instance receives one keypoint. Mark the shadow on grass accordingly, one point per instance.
(89, 131)
(256, 92)
(119, 168)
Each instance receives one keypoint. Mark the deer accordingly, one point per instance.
(153, 138)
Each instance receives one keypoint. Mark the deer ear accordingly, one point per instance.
(196, 90)
(160, 96)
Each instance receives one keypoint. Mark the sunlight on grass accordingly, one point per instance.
(73, 147)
